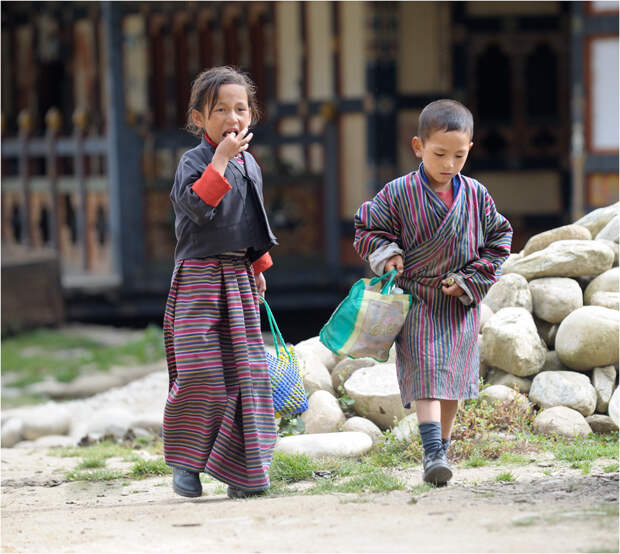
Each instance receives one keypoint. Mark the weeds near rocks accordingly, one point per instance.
(149, 468)
(97, 475)
(289, 468)
(505, 477)
(610, 468)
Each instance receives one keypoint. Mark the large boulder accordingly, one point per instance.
(502, 393)
(564, 388)
(114, 421)
(315, 375)
(347, 367)
(547, 331)
(610, 300)
(553, 298)
(314, 346)
(377, 395)
(322, 445)
(561, 420)
(603, 380)
(609, 281)
(600, 423)
(565, 258)
(510, 342)
(324, 414)
(614, 247)
(485, 314)
(406, 428)
(588, 338)
(596, 220)
(48, 419)
(610, 231)
(496, 376)
(12, 432)
(553, 362)
(510, 291)
(363, 425)
(510, 261)
(567, 232)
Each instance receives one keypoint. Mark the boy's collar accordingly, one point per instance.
(456, 180)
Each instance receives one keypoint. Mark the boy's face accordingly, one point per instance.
(444, 154)
(230, 114)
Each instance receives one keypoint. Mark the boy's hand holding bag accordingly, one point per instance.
(368, 320)
(287, 385)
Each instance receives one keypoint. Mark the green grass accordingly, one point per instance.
(91, 463)
(476, 460)
(586, 449)
(372, 482)
(509, 457)
(105, 449)
(505, 477)
(149, 468)
(52, 353)
(289, 468)
(610, 468)
(96, 475)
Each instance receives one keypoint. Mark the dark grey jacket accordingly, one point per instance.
(238, 222)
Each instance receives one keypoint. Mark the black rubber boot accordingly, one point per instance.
(437, 471)
(186, 483)
(235, 492)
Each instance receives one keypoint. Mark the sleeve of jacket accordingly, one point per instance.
(263, 263)
(377, 225)
(198, 190)
(482, 273)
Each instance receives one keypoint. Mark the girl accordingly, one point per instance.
(441, 232)
(219, 413)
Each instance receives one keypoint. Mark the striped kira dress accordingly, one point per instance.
(219, 412)
(437, 349)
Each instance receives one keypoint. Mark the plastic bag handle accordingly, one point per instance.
(275, 331)
(389, 285)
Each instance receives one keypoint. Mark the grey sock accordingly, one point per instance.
(430, 433)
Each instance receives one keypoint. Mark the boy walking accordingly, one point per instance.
(443, 234)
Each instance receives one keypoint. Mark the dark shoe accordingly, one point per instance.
(436, 468)
(235, 492)
(186, 483)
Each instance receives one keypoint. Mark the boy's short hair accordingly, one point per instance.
(445, 115)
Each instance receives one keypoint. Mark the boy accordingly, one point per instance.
(443, 234)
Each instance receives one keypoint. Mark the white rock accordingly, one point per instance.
(567, 232)
(614, 247)
(406, 428)
(610, 300)
(600, 423)
(553, 362)
(597, 219)
(502, 393)
(376, 394)
(603, 380)
(510, 342)
(363, 425)
(48, 419)
(610, 231)
(52, 441)
(614, 407)
(151, 421)
(561, 420)
(609, 281)
(347, 367)
(324, 414)
(315, 374)
(511, 291)
(496, 376)
(346, 444)
(566, 258)
(564, 388)
(588, 338)
(553, 298)
(112, 421)
(12, 432)
(486, 313)
(316, 347)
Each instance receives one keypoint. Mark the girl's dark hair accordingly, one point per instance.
(445, 115)
(206, 87)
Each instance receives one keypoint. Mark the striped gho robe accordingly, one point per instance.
(437, 348)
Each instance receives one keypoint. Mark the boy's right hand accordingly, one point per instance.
(395, 262)
(232, 145)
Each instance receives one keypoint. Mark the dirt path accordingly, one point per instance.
(548, 508)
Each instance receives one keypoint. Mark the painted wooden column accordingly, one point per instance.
(124, 150)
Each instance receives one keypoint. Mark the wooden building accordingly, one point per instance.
(94, 97)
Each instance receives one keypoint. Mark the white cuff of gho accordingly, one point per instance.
(468, 297)
(381, 255)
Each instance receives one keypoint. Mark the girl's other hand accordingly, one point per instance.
(233, 144)
(395, 262)
(450, 288)
(261, 284)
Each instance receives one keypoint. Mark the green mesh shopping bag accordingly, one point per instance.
(287, 385)
(368, 320)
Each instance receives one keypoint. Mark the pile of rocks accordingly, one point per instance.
(549, 330)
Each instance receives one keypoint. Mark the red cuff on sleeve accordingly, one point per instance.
(263, 263)
(211, 187)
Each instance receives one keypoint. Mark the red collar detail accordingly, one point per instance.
(208, 139)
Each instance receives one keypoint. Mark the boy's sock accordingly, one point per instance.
(446, 444)
(430, 433)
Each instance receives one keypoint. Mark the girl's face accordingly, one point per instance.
(444, 154)
(230, 114)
